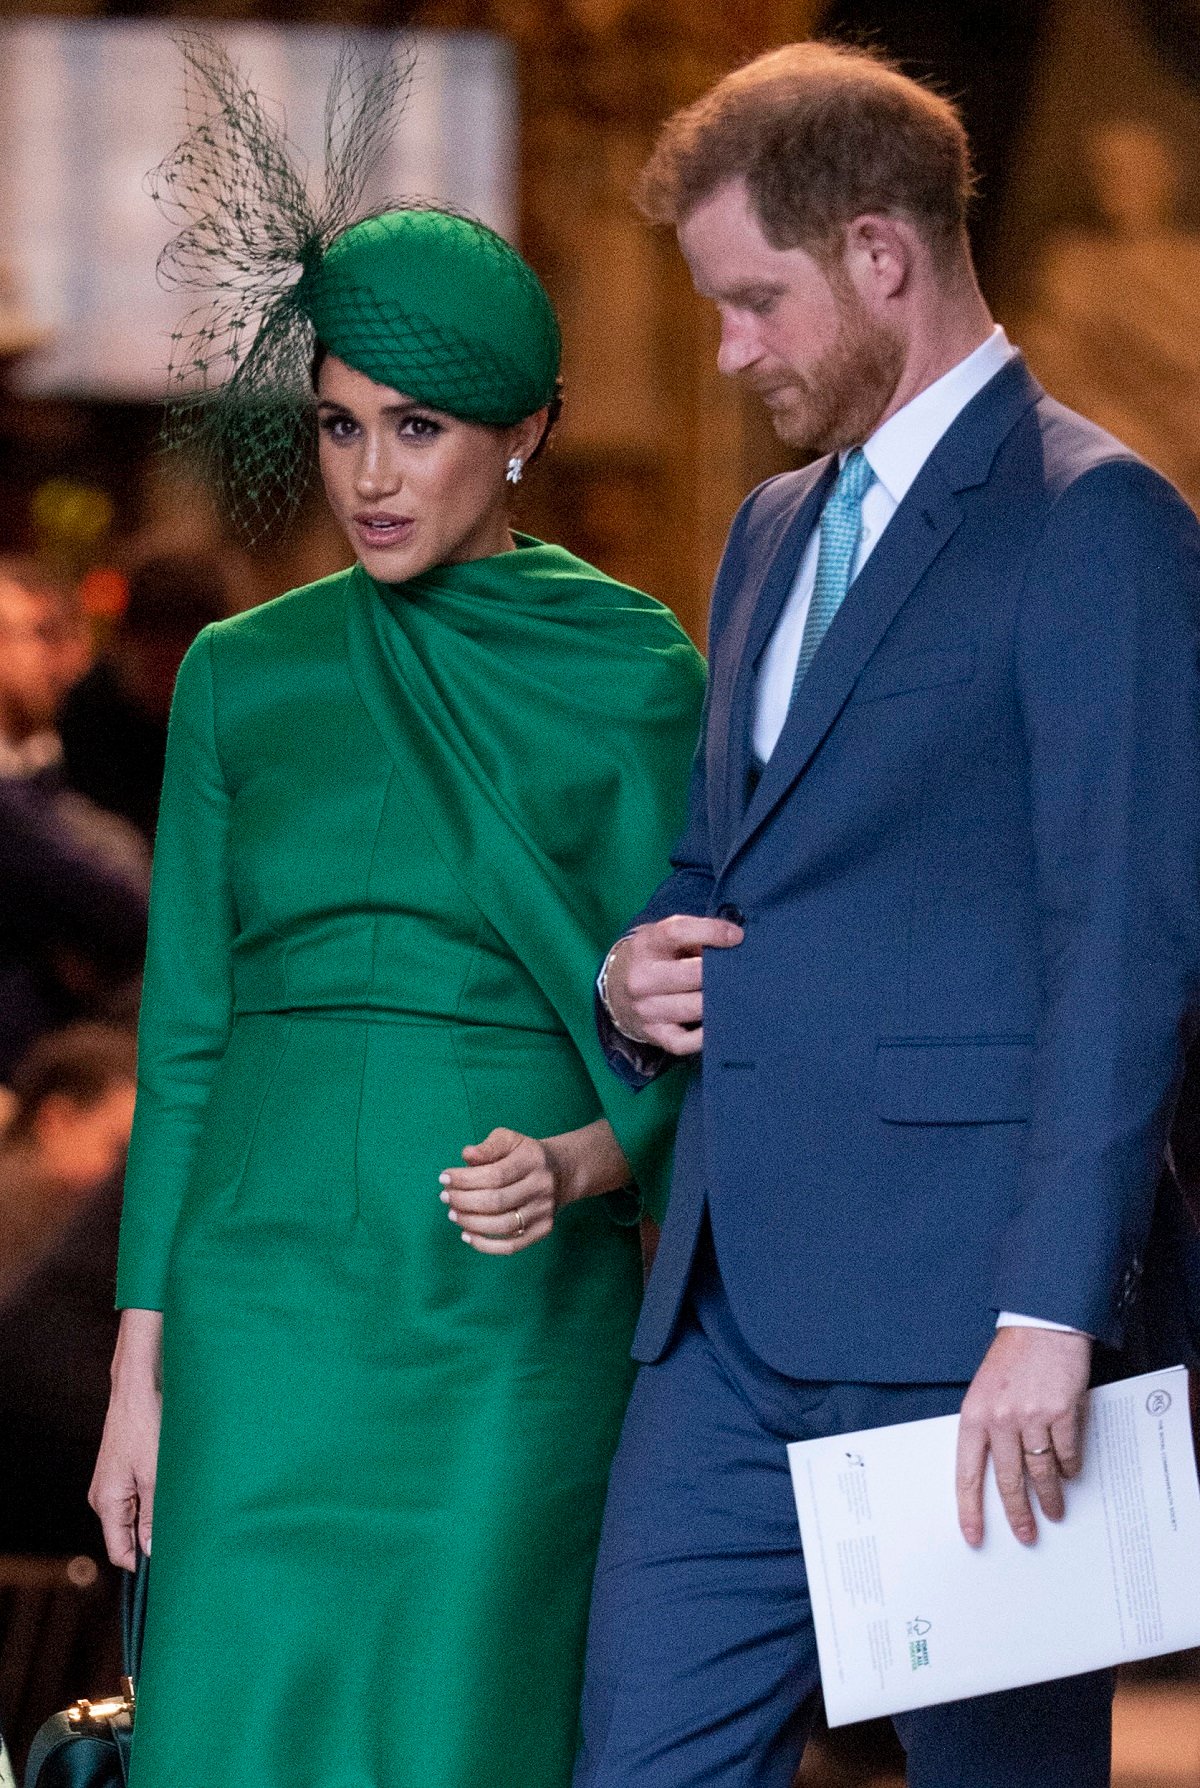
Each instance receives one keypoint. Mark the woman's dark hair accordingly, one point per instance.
(553, 412)
(554, 407)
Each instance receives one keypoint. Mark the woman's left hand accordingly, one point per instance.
(507, 1196)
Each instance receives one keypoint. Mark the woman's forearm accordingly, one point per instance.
(588, 1162)
(138, 1356)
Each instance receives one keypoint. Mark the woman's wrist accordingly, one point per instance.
(138, 1355)
(587, 1163)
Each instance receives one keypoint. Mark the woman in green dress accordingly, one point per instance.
(405, 810)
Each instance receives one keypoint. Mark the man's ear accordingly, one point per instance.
(880, 255)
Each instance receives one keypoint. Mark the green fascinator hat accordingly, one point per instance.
(440, 308)
(435, 305)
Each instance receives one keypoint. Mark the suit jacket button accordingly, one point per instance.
(734, 914)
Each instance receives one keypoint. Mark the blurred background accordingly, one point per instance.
(535, 115)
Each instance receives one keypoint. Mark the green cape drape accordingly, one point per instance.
(543, 719)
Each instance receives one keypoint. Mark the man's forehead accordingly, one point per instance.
(723, 244)
(726, 217)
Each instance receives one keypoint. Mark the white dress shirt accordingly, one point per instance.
(895, 452)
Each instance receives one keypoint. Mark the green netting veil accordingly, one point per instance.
(433, 304)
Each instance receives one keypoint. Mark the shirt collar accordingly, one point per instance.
(900, 446)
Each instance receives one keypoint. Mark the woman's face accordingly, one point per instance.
(411, 486)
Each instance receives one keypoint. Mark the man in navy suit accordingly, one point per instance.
(941, 879)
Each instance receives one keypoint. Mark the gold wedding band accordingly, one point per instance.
(1036, 1452)
(520, 1230)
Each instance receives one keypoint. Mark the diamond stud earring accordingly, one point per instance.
(516, 467)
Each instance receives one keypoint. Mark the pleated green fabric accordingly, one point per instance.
(375, 924)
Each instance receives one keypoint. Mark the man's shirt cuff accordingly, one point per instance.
(644, 1058)
(1008, 1319)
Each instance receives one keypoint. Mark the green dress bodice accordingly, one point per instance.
(344, 899)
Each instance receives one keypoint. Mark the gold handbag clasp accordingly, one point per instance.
(91, 1716)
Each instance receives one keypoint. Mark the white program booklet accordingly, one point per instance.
(907, 1614)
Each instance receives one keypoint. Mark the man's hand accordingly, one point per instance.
(1026, 1409)
(654, 980)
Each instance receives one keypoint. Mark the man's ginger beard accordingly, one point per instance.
(839, 401)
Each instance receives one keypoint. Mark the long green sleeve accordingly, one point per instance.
(188, 996)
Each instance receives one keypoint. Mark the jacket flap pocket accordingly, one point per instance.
(914, 670)
(958, 1081)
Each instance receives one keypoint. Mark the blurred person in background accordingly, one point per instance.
(72, 1110)
(114, 722)
(60, 1200)
(73, 880)
(41, 655)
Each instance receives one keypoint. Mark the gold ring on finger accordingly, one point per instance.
(520, 1230)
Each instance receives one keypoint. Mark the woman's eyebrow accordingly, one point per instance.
(407, 408)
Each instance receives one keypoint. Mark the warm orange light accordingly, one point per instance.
(104, 593)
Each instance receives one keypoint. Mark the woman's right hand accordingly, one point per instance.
(122, 1491)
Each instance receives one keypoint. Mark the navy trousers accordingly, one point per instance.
(702, 1662)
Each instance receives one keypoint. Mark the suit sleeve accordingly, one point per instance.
(187, 1000)
(1107, 666)
(688, 889)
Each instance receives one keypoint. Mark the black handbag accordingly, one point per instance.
(88, 1745)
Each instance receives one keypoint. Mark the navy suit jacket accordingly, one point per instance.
(938, 1073)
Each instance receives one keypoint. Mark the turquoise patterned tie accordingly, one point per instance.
(841, 525)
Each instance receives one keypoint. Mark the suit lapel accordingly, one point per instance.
(917, 533)
(912, 541)
(766, 580)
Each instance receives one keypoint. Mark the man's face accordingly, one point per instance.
(33, 680)
(792, 329)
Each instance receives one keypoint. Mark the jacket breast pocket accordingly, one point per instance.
(939, 1080)
(914, 670)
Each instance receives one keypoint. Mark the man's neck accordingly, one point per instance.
(942, 338)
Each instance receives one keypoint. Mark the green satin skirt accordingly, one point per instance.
(383, 1456)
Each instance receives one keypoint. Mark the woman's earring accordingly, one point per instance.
(516, 467)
